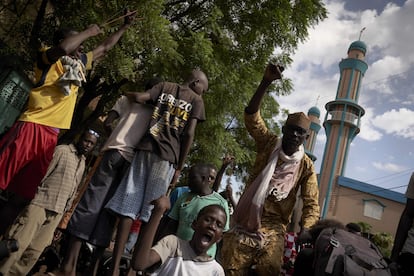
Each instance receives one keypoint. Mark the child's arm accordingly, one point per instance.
(227, 160)
(229, 192)
(144, 255)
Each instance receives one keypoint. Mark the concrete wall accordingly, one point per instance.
(350, 208)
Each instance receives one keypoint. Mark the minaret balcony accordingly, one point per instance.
(343, 116)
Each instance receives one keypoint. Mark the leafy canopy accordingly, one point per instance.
(231, 40)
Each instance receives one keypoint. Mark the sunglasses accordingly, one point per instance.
(94, 133)
(295, 130)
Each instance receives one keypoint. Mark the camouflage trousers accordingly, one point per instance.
(241, 253)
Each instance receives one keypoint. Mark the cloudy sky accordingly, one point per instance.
(383, 152)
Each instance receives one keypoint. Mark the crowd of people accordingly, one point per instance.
(195, 230)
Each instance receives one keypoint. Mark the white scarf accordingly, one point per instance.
(285, 175)
(249, 209)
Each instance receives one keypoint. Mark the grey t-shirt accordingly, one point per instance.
(133, 123)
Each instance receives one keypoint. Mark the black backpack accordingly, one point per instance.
(339, 252)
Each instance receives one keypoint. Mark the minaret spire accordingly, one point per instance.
(342, 122)
(360, 33)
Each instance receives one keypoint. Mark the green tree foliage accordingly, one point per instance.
(231, 40)
(365, 227)
(384, 242)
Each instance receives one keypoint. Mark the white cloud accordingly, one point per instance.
(315, 72)
(386, 88)
(397, 122)
(381, 70)
(391, 31)
(368, 131)
(389, 167)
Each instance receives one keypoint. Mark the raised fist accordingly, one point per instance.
(273, 72)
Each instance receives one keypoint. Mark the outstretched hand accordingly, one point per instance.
(273, 72)
(228, 159)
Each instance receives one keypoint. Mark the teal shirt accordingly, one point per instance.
(185, 212)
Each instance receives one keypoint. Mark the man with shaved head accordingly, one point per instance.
(160, 154)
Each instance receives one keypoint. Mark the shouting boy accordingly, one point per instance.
(177, 256)
(188, 205)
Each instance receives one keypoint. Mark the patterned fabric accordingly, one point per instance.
(266, 254)
(147, 179)
(276, 179)
(62, 178)
(289, 255)
(47, 104)
(241, 255)
(179, 259)
(307, 181)
(186, 209)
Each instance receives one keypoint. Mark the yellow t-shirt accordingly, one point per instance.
(47, 104)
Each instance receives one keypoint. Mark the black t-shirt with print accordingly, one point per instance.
(174, 106)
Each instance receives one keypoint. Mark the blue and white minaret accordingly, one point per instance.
(313, 114)
(342, 124)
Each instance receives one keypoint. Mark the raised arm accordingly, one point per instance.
(144, 256)
(230, 197)
(71, 42)
(227, 160)
(108, 43)
(272, 72)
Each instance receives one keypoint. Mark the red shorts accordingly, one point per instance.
(136, 226)
(25, 153)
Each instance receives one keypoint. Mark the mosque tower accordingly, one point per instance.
(342, 122)
(313, 114)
